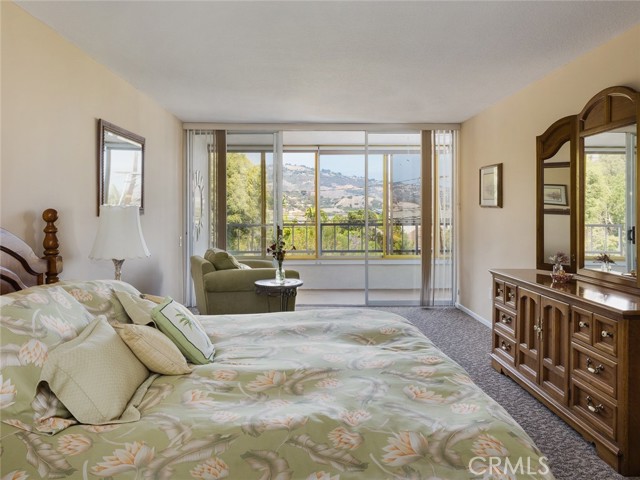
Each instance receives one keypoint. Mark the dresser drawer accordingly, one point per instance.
(504, 347)
(504, 293)
(505, 320)
(596, 370)
(510, 294)
(581, 325)
(605, 335)
(498, 291)
(594, 408)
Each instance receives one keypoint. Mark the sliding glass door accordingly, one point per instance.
(394, 190)
(352, 203)
(250, 202)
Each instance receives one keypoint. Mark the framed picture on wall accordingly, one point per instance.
(555, 195)
(491, 186)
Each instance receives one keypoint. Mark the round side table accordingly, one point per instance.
(285, 290)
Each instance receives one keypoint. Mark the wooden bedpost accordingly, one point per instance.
(50, 244)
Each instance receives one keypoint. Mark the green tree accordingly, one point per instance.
(605, 193)
(243, 199)
(605, 197)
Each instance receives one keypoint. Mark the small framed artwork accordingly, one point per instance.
(491, 186)
(555, 195)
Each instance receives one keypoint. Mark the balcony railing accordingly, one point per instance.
(604, 238)
(338, 238)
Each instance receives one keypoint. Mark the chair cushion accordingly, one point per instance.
(221, 259)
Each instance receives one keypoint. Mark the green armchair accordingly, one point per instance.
(231, 289)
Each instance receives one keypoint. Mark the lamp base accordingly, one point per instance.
(118, 265)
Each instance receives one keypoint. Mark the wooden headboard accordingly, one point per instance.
(20, 267)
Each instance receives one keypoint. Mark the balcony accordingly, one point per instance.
(337, 275)
(250, 239)
(604, 238)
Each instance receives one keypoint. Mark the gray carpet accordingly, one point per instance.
(468, 342)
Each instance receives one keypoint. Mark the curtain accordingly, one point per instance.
(438, 207)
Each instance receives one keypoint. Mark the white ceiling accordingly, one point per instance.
(333, 61)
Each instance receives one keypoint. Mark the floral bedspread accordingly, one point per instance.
(321, 394)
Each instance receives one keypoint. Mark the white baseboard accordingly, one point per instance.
(473, 315)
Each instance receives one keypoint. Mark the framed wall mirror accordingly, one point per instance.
(556, 193)
(120, 166)
(608, 132)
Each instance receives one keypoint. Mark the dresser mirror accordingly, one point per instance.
(120, 166)
(586, 196)
(556, 167)
(609, 191)
(608, 132)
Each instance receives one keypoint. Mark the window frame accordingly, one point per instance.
(387, 157)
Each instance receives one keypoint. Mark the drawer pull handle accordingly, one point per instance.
(594, 408)
(606, 334)
(504, 346)
(592, 369)
(505, 318)
(583, 324)
(500, 292)
(511, 295)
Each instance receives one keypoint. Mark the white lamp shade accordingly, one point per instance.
(119, 234)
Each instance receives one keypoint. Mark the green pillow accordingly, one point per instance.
(184, 329)
(33, 323)
(138, 309)
(95, 376)
(222, 260)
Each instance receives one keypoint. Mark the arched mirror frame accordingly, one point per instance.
(547, 146)
(612, 108)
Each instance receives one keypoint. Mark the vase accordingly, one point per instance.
(280, 278)
(558, 269)
(605, 267)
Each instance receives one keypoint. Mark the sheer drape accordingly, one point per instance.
(438, 251)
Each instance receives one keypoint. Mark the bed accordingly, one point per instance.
(320, 394)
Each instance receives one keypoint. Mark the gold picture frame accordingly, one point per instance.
(491, 186)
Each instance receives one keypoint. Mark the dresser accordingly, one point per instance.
(576, 348)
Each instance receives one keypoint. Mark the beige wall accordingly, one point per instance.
(506, 133)
(52, 95)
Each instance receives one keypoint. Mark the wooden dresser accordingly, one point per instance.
(575, 347)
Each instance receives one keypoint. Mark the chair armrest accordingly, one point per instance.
(258, 263)
(240, 280)
(201, 265)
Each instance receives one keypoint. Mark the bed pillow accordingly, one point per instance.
(184, 330)
(138, 309)
(153, 298)
(154, 349)
(95, 375)
(33, 323)
(99, 297)
(222, 260)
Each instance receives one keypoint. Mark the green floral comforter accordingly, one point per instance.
(322, 394)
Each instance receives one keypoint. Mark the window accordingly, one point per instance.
(246, 202)
(299, 201)
(326, 190)
(349, 200)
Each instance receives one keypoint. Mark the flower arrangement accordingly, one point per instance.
(277, 249)
(603, 258)
(559, 257)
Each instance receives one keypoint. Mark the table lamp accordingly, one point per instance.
(119, 236)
